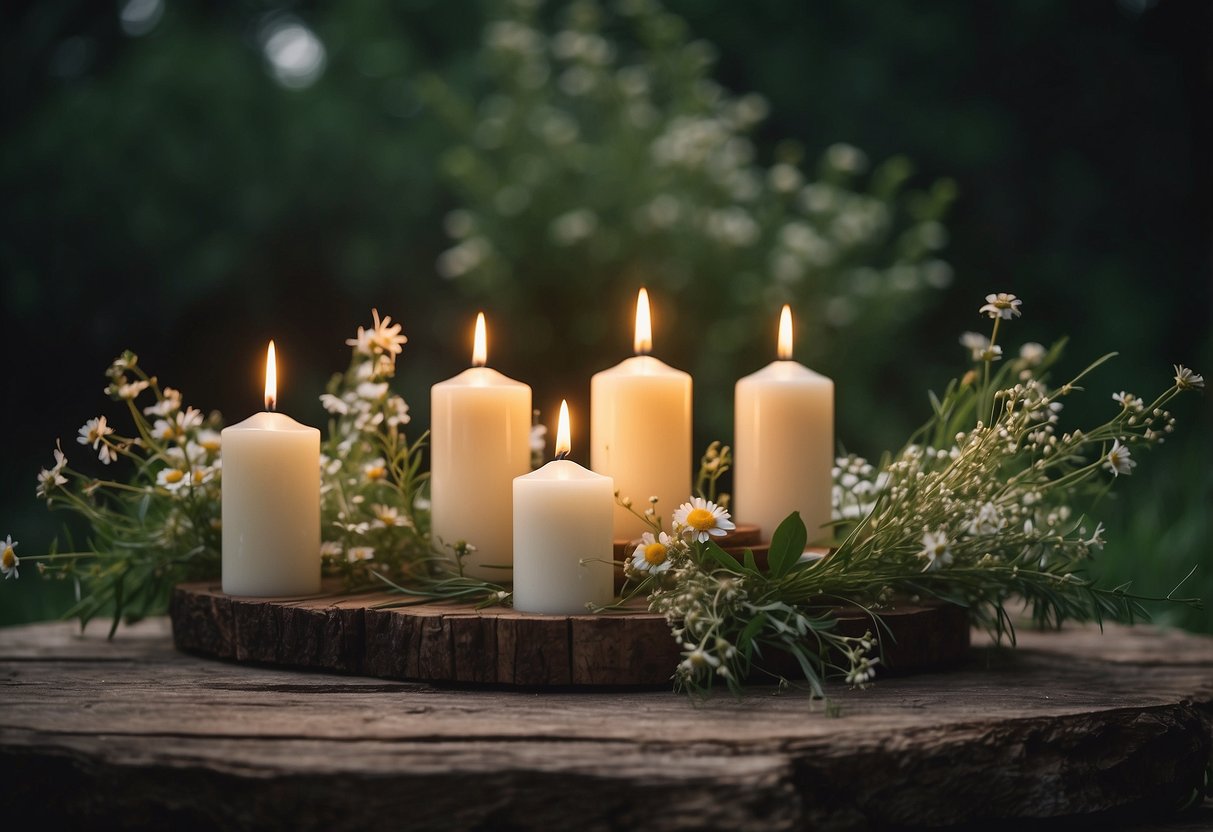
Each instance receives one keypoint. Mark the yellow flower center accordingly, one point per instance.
(376, 472)
(386, 517)
(199, 476)
(211, 445)
(700, 519)
(174, 476)
(654, 553)
(9, 559)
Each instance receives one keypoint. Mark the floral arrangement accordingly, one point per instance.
(978, 509)
(981, 508)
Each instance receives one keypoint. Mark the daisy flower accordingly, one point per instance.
(164, 430)
(170, 402)
(93, 432)
(383, 337)
(1032, 353)
(652, 553)
(1119, 461)
(210, 441)
(8, 558)
(1001, 305)
(52, 478)
(334, 404)
(975, 343)
(936, 550)
(387, 517)
(1128, 401)
(1185, 379)
(357, 553)
(130, 389)
(375, 470)
(330, 549)
(702, 519)
(174, 479)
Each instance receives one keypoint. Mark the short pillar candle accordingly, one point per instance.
(271, 502)
(563, 538)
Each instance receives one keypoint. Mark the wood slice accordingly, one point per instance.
(459, 644)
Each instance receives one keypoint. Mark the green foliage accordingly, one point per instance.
(982, 509)
(600, 155)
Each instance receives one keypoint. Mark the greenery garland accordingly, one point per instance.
(978, 509)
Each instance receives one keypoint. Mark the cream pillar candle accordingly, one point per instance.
(640, 430)
(271, 502)
(479, 442)
(784, 443)
(563, 539)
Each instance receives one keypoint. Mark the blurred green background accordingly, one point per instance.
(188, 180)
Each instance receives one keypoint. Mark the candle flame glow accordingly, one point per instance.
(271, 379)
(643, 342)
(785, 333)
(564, 444)
(480, 350)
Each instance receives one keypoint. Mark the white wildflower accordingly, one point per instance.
(1032, 353)
(387, 517)
(975, 343)
(701, 520)
(173, 479)
(334, 404)
(1119, 460)
(357, 553)
(652, 553)
(383, 338)
(1128, 401)
(936, 550)
(988, 521)
(1185, 379)
(8, 558)
(1001, 305)
(169, 402)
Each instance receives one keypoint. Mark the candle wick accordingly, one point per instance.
(562, 455)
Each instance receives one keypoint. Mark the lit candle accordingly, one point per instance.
(640, 429)
(271, 501)
(479, 442)
(563, 541)
(784, 446)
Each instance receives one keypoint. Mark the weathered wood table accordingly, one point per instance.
(132, 733)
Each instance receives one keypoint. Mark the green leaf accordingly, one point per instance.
(750, 563)
(713, 550)
(787, 545)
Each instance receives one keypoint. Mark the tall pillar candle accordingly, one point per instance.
(563, 538)
(479, 441)
(784, 444)
(640, 430)
(271, 502)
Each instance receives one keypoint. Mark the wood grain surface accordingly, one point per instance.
(1077, 726)
(457, 643)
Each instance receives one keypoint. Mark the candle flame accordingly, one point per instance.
(480, 350)
(564, 444)
(271, 378)
(643, 342)
(785, 333)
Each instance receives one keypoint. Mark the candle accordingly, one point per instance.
(479, 442)
(563, 539)
(784, 446)
(640, 429)
(271, 502)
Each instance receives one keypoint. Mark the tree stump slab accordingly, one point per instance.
(459, 644)
(1083, 729)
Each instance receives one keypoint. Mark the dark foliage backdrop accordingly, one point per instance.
(163, 191)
